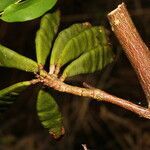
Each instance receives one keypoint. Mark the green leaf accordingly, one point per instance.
(89, 62)
(63, 37)
(5, 3)
(27, 10)
(11, 59)
(10, 94)
(44, 37)
(49, 114)
(79, 44)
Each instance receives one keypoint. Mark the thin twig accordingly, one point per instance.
(84, 146)
(97, 94)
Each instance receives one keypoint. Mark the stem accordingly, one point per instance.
(34, 81)
(55, 83)
(134, 47)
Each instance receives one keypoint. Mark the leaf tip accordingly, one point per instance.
(57, 134)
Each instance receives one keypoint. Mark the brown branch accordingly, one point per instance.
(136, 50)
(55, 83)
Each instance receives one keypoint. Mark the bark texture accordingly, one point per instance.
(134, 47)
(97, 94)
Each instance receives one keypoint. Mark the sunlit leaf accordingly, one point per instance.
(11, 59)
(44, 37)
(27, 10)
(89, 62)
(63, 37)
(49, 114)
(5, 3)
(10, 94)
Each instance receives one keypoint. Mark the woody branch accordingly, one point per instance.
(134, 47)
(97, 94)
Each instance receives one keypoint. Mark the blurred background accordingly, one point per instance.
(101, 126)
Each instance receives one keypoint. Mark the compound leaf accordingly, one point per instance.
(49, 114)
(11, 59)
(44, 37)
(5, 3)
(27, 10)
(63, 37)
(10, 94)
(89, 62)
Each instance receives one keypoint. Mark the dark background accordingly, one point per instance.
(100, 126)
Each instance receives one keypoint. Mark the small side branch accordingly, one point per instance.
(97, 94)
(134, 47)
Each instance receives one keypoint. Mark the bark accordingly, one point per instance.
(97, 94)
(134, 47)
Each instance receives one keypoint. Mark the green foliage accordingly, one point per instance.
(11, 59)
(77, 45)
(6, 3)
(26, 10)
(49, 114)
(10, 94)
(91, 61)
(62, 39)
(86, 46)
(48, 29)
